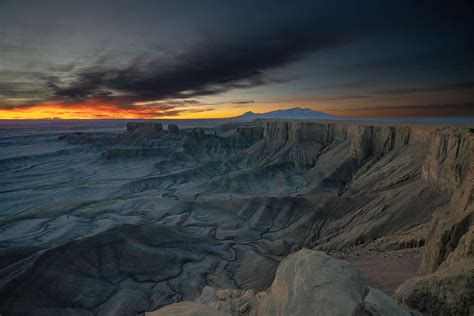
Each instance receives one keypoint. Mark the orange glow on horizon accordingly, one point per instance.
(104, 111)
(57, 111)
(97, 109)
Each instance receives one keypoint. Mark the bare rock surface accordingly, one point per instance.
(447, 282)
(384, 270)
(144, 128)
(306, 283)
(312, 283)
(173, 128)
(119, 224)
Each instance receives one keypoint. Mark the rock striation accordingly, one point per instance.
(445, 161)
(448, 159)
(103, 223)
(447, 282)
(251, 131)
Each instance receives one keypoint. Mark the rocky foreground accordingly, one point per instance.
(306, 283)
(212, 221)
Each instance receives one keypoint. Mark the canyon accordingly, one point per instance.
(237, 218)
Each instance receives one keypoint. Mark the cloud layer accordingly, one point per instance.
(167, 56)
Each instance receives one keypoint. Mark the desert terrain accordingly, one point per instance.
(237, 218)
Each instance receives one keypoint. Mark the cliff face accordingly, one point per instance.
(448, 158)
(221, 208)
(294, 132)
(436, 157)
(375, 141)
(418, 179)
(366, 140)
(449, 166)
(447, 284)
(140, 129)
(250, 131)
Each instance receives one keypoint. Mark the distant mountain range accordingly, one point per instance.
(308, 114)
(294, 113)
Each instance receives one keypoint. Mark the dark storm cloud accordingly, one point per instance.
(87, 85)
(445, 87)
(243, 102)
(236, 58)
(206, 69)
(451, 108)
(12, 89)
(127, 52)
(343, 97)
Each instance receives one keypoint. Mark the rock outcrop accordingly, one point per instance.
(366, 142)
(250, 131)
(309, 282)
(443, 158)
(163, 218)
(143, 129)
(198, 133)
(173, 129)
(449, 158)
(306, 283)
(447, 284)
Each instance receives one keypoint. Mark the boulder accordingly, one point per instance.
(445, 292)
(313, 283)
(306, 283)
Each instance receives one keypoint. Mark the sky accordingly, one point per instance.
(220, 58)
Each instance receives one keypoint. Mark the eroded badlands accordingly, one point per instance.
(120, 224)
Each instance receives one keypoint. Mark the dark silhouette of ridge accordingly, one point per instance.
(296, 113)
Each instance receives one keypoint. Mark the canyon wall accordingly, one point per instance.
(447, 268)
(373, 137)
(136, 221)
(446, 158)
